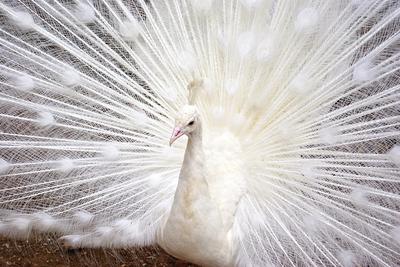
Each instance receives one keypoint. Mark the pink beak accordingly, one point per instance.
(175, 135)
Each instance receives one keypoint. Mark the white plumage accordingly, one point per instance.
(291, 109)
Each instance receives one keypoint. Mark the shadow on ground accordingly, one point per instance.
(41, 251)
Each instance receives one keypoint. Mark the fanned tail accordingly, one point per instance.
(310, 88)
(85, 120)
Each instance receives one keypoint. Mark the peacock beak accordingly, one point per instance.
(175, 135)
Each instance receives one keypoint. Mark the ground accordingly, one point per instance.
(40, 251)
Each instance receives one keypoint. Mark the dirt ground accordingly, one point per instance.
(41, 251)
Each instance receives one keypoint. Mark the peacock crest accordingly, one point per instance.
(194, 90)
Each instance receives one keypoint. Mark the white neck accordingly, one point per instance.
(194, 157)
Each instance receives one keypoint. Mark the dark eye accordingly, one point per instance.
(191, 123)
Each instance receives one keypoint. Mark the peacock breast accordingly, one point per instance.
(194, 231)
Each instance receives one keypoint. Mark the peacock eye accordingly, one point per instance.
(191, 123)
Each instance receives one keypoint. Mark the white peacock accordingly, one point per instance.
(292, 125)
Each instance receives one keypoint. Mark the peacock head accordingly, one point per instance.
(186, 122)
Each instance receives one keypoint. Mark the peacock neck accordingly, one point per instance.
(193, 162)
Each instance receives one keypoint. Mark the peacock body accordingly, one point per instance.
(291, 111)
